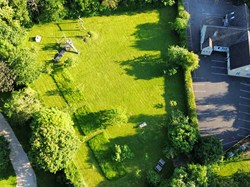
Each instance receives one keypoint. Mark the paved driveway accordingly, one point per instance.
(223, 102)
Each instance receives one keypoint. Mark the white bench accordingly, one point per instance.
(144, 124)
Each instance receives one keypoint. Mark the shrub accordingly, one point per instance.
(182, 57)
(73, 175)
(102, 150)
(113, 117)
(153, 178)
(22, 105)
(122, 152)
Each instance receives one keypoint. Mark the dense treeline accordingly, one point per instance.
(53, 10)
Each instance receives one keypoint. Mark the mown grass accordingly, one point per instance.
(228, 169)
(122, 66)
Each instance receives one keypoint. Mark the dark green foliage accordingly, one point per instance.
(113, 117)
(181, 133)
(208, 150)
(184, 58)
(21, 12)
(21, 106)
(153, 178)
(24, 66)
(7, 78)
(51, 10)
(4, 153)
(239, 179)
(53, 141)
(122, 152)
(242, 178)
(191, 175)
(102, 150)
(110, 4)
(181, 23)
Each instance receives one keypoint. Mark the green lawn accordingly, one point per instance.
(227, 169)
(122, 66)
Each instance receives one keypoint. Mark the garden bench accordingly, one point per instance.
(144, 124)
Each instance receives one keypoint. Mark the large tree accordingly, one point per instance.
(25, 67)
(181, 56)
(191, 175)
(53, 141)
(51, 10)
(208, 150)
(7, 78)
(181, 133)
(22, 105)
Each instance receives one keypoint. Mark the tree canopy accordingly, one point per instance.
(7, 78)
(208, 150)
(181, 133)
(22, 105)
(53, 141)
(181, 56)
(191, 175)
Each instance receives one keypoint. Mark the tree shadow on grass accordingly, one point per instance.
(144, 67)
(156, 36)
(51, 46)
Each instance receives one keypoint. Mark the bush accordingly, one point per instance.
(21, 106)
(122, 152)
(113, 117)
(73, 175)
(102, 150)
(153, 178)
(4, 153)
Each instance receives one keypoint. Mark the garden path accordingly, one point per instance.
(24, 173)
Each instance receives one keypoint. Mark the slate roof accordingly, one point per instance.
(238, 57)
(235, 36)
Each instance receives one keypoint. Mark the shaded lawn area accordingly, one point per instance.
(123, 66)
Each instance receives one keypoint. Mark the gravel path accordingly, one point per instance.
(24, 173)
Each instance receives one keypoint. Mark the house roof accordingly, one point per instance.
(236, 36)
(225, 36)
(239, 54)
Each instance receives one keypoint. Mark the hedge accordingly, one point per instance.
(191, 105)
(184, 16)
(100, 145)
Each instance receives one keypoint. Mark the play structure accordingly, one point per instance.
(66, 45)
